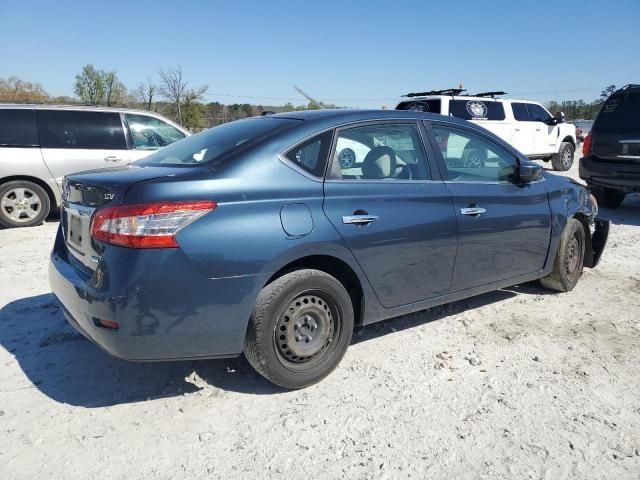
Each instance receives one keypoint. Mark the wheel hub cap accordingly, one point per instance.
(305, 329)
(20, 204)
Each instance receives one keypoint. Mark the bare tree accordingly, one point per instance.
(172, 88)
(114, 88)
(146, 91)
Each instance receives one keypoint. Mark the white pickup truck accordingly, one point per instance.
(526, 125)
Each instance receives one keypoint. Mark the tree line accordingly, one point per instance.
(172, 95)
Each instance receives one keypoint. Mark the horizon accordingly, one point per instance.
(339, 55)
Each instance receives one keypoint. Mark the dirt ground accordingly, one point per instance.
(516, 384)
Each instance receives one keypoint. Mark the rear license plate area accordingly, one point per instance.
(74, 231)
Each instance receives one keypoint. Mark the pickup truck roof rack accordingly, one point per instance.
(448, 91)
(490, 94)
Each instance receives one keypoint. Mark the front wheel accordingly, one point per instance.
(299, 329)
(563, 160)
(569, 261)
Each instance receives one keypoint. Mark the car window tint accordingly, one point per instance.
(150, 133)
(80, 129)
(210, 145)
(431, 106)
(312, 154)
(520, 112)
(620, 112)
(380, 152)
(537, 113)
(18, 128)
(477, 110)
(471, 158)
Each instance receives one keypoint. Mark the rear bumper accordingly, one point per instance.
(165, 309)
(620, 176)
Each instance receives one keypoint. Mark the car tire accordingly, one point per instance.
(299, 329)
(607, 197)
(23, 204)
(569, 261)
(563, 160)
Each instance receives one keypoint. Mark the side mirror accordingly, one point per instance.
(559, 117)
(529, 172)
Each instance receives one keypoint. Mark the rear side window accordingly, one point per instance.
(312, 154)
(476, 110)
(18, 128)
(620, 112)
(80, 129)
(431, 106)
(520, 112)
(211, 145)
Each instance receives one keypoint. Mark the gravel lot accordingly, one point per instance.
(519, 383)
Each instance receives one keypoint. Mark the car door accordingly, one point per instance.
(396, 218)
(546, 133)
(148, 134)
(77, 140)
(504, 226)
(524, 131)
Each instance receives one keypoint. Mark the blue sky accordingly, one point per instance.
(355, 53)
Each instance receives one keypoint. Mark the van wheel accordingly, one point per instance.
(567, 267)
(607, 197)
(299, 329)
(563, 160)
(23, 204)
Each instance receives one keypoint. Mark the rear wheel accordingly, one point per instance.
(22, 204)
(300, 328)
(563, 160)
(607, 197)
(567, 267)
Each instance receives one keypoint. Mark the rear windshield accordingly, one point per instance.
(431, 106)
(620, 112)
(476, 110)
(212, 144)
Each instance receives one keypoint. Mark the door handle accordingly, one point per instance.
(537, 129)
(112, 158)
(473, 211)
(360, 219)
(517, 129)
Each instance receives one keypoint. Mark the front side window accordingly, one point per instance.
(468, 157)
(312, 154)
(18, 128)
(477, 109)
(538, 114)
(380, 152)
(150, 133)
(80, 129)
(520, 112)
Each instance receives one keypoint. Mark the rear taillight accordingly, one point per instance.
(586, 146)
(152, 225)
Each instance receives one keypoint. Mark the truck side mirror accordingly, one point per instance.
(559, 117)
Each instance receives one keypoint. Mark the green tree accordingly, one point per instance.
(607, 92)
(90, 86)
(115, 91)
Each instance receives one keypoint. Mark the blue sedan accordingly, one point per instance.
(275, 236)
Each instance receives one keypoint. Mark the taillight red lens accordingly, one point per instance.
(586, 145)
(152, 225)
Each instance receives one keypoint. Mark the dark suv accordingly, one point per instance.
(611, 151)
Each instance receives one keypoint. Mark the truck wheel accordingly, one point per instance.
(563, 160)
(23, 204)
(567, 266)
(299, 329)
(607, 197)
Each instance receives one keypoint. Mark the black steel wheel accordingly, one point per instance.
(569, 261)
(300, 328)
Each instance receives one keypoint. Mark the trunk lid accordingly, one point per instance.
(616, 131)
(85, 192)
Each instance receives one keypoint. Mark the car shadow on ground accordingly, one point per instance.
(69, 369)
(626, 214)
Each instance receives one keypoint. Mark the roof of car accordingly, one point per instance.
(466, 97)
(94, 108)
(356, 115)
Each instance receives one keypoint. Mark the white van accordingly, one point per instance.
(40, 144)
(526, 125)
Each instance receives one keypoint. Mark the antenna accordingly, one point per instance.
(309, 97)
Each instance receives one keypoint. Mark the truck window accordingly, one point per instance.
(477, 110)
(520, 112)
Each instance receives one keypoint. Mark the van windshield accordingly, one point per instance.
(210, 145)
